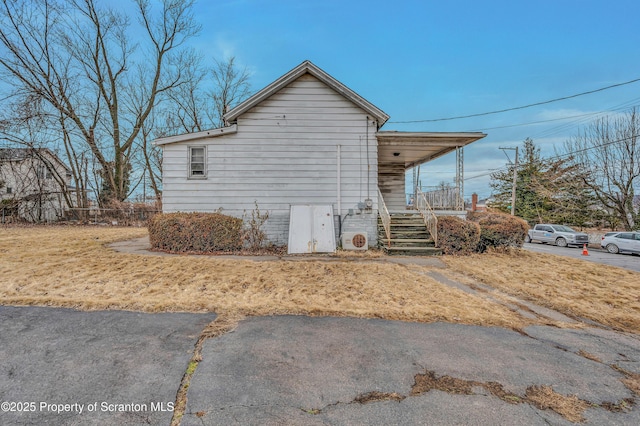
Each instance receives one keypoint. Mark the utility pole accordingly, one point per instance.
(515, 181)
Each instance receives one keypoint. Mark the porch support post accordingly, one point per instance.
(460, 178)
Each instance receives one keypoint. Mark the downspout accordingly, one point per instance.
(338, 185)
(338, 158)
(368, 162)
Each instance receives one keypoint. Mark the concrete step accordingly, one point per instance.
(413, 251)
(408, 242)
(409, 236)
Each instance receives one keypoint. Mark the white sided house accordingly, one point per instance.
(304, 140)
(34, 185)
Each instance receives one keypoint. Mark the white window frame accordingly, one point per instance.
(190, 163)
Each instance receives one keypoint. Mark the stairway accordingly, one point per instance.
(409, 236)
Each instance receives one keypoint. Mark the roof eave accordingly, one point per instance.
(221, 131)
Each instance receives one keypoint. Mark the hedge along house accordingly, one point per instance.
(304, 140)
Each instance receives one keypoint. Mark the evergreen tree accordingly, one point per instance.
(547, 190)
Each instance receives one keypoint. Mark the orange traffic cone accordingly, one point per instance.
(585, 252)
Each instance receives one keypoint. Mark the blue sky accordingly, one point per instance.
(421, 60)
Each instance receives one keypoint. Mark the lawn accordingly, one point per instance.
(605, 294)
(73, 267)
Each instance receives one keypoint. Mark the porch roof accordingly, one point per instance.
(414, 148)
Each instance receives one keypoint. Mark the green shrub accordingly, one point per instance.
(195, 232)
(457, 236)
(499, 230)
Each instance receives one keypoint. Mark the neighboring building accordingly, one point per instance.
(477, 205)
(32, 185)
(306, 139)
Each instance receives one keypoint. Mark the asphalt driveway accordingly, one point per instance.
(67, 367)
(345, 371)
(115, 367)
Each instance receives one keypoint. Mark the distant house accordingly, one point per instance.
(305, 139)
(32, 185)
(478, 205)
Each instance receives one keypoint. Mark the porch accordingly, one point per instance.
(401, 151)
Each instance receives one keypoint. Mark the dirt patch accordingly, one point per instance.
(428, 381)
(378, 396)
(588, 355)
(497, 390)
(619, 407)
(631, 380)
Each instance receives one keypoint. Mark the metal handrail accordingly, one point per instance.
(430, 219)
(385, 217)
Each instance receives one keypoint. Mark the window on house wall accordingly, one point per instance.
(9, 190)
(197, 162)
(44, 172)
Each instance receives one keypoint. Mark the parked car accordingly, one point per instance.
(560, 235)
(621, 242)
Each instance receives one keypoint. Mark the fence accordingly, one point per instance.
(135, 215)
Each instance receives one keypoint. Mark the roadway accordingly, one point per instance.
(597, 255)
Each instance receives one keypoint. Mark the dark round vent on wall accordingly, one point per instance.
(359, 240)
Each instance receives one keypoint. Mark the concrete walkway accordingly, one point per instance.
(142, 246)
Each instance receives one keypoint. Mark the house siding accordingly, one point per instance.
(285, 152)
(36, 194)
(391, 180)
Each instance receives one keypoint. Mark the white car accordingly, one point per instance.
(619, 242)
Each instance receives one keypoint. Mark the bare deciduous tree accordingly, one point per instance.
(191, 107)
(231, 86)
(75, 58)
(609, 151)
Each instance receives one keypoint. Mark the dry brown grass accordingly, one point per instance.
(632, 382)
(578, 288)
(570, 407)
(71, 267)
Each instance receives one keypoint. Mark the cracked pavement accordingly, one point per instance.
(62, 356)
(304, 370)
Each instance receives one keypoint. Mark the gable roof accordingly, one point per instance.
(307, 67)
(21, 154)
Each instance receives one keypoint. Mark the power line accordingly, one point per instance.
(589, 114)
(518, 107)
(555, 157)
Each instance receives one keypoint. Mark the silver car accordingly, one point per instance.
(619, 242)
(560, 235)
